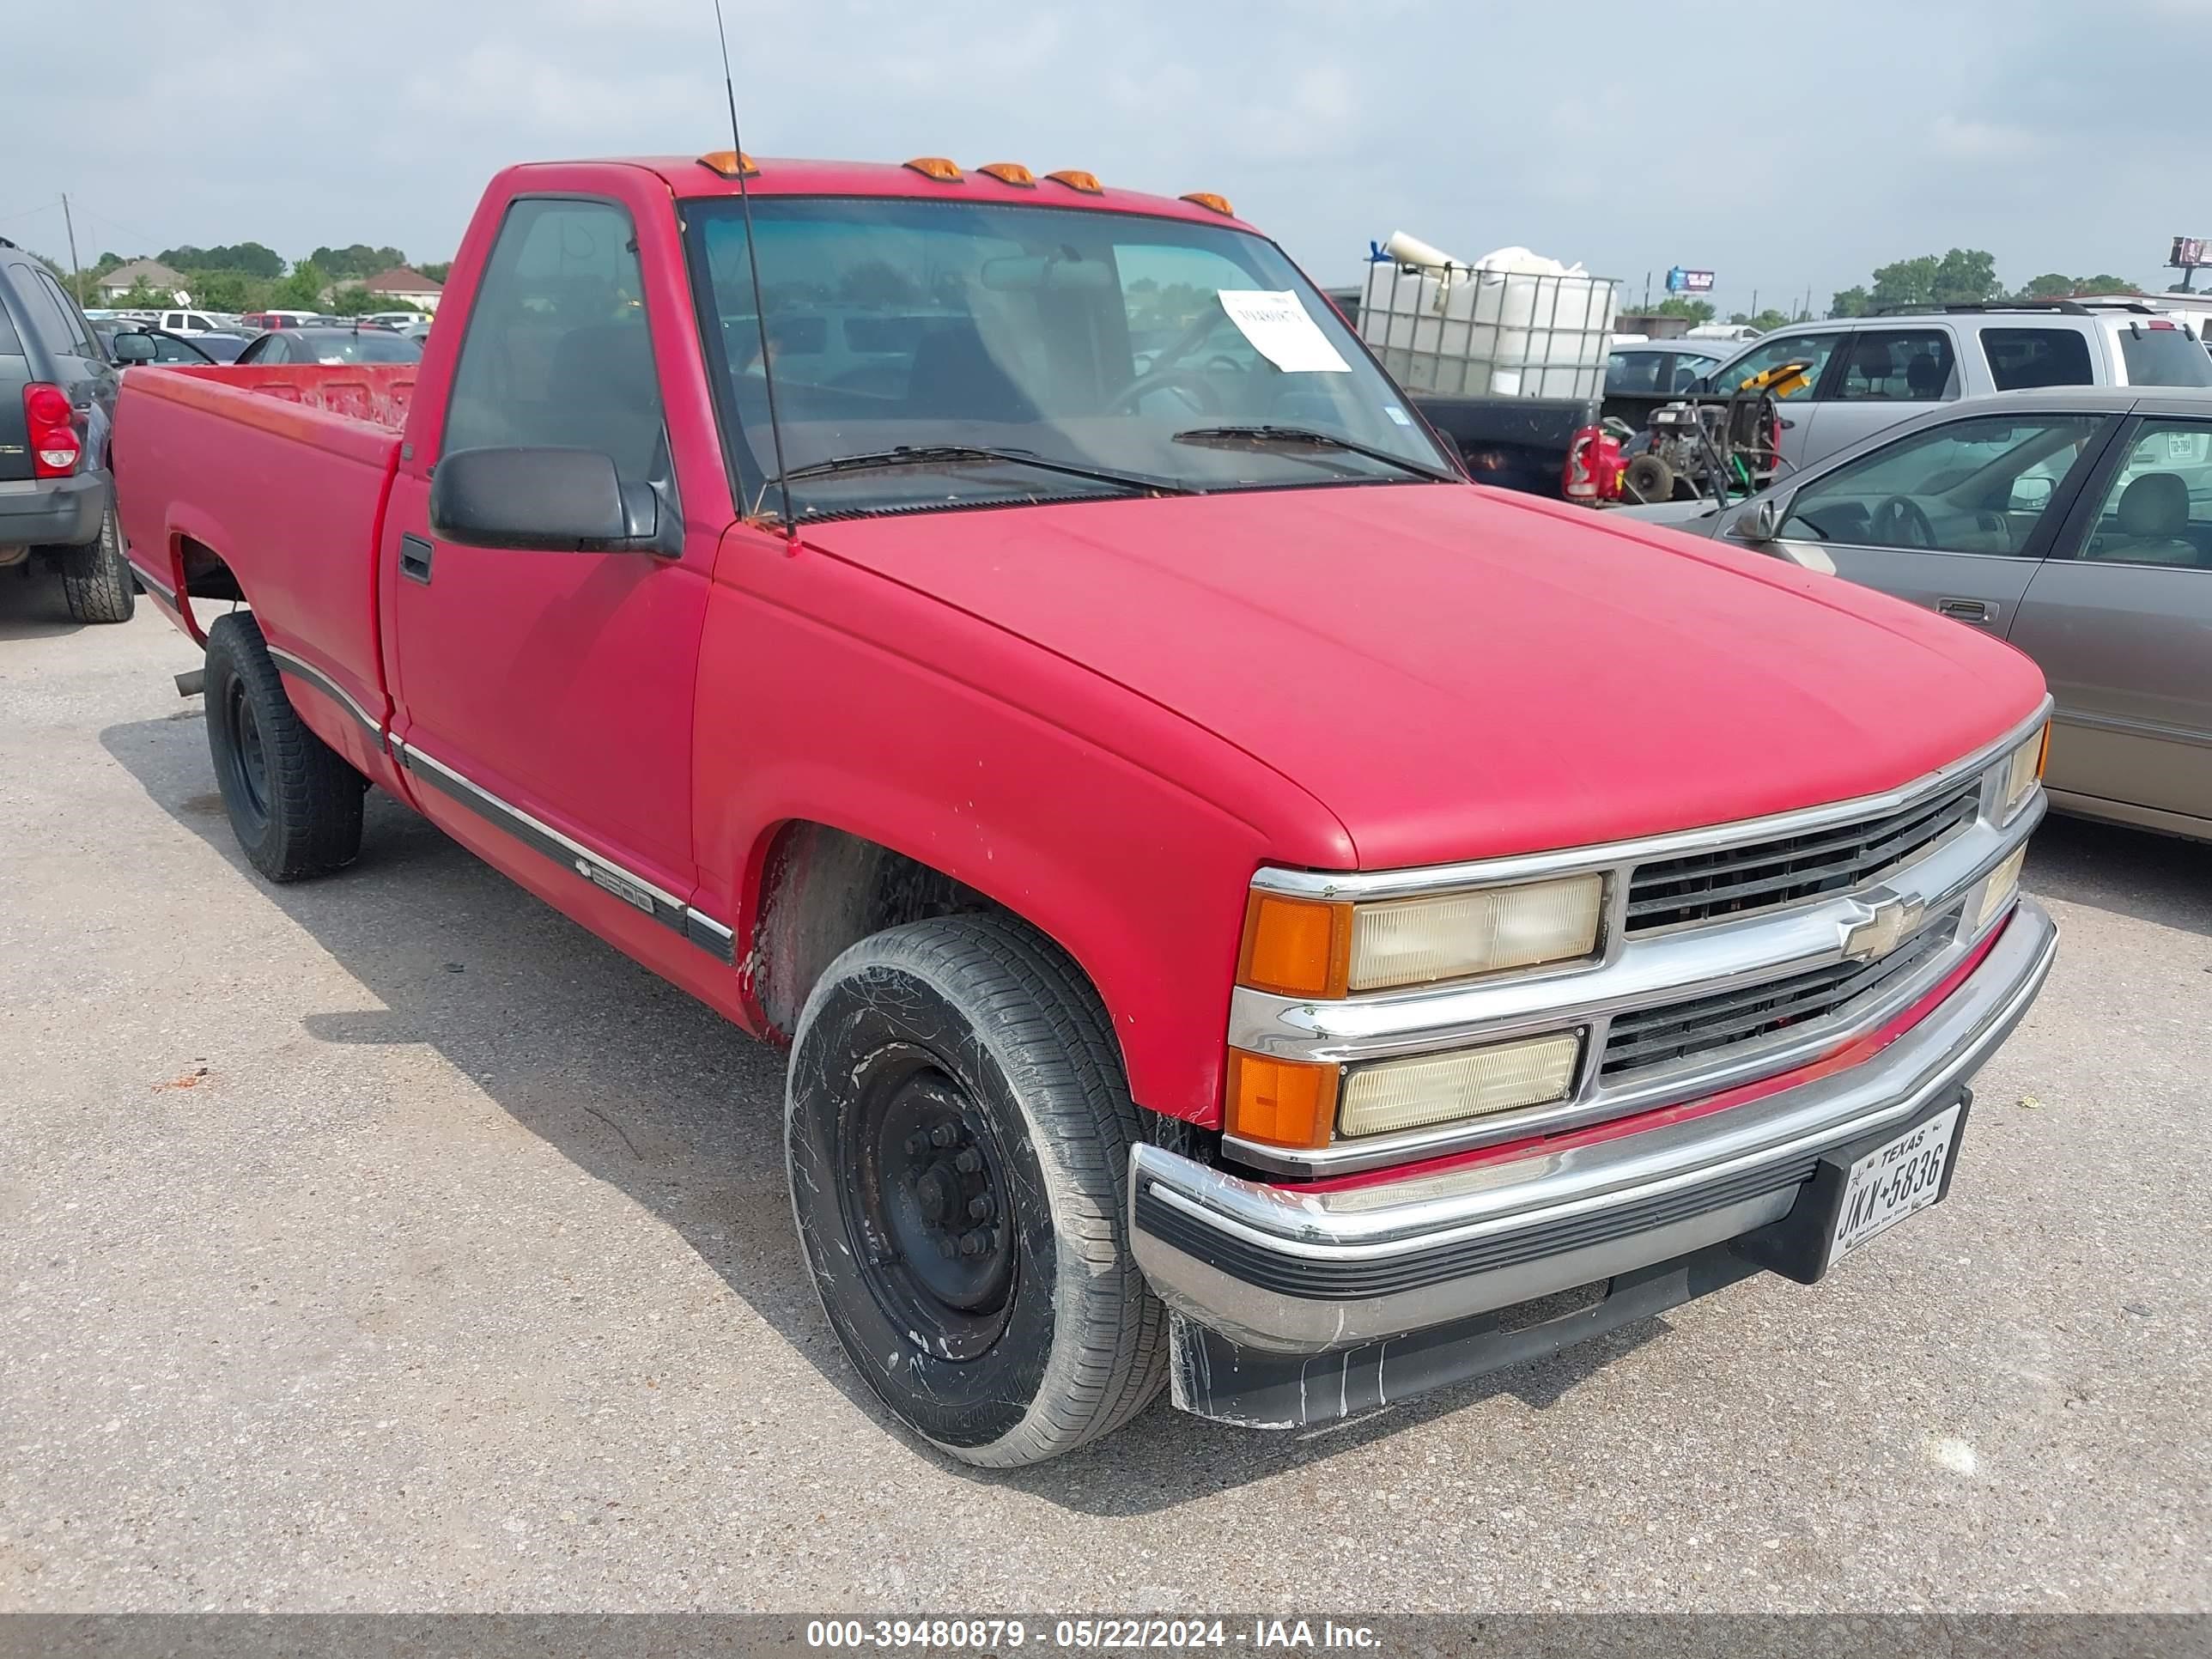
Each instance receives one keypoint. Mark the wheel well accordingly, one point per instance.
(826, 890)
(206, 576)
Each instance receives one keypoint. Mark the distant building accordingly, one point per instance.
(407, 286)
(152, 272)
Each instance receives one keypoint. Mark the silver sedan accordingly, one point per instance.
(2075, 523)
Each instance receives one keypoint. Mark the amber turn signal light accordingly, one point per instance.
(2042, 753)
(730, 163)
(1010, 173)
(1280, 1103)
(1295, 947)
(936, 167)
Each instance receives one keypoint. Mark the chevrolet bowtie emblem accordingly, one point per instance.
(1891, 924)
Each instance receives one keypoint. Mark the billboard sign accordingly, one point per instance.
(2188, 251)
(1680, 280)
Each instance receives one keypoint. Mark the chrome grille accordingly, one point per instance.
(1708, 1024)
(1764, 875)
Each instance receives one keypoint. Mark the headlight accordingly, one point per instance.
(1317, 948)
(2023, 767)
(1410, 1094)
(2002, 882)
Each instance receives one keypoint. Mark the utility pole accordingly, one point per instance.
(77, 275)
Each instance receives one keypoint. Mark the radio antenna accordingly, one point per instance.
(760, 300)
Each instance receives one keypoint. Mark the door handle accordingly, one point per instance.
(1968, 610)
(414, 559)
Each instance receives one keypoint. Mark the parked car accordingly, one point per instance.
(401, 320)
(159, 345)
(1870, 373)
(1244, 904)
(2075, 523)
(1640, 377)
(184, 321)
(224, 347)
(57, 393)
(330, 345)
(261, 320)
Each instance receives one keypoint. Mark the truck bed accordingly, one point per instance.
(1513, 443)
(284, 470)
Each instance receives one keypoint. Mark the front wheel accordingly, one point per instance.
(96, 580)
(958, 1133)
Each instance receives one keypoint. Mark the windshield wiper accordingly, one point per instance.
(1302, 437)
(943, 454)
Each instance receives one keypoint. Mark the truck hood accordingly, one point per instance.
(1457, 673)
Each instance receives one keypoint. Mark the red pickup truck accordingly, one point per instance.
(1249, 909)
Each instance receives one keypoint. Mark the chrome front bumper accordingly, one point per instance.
(1278, 1269)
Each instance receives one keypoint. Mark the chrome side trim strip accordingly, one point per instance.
(1444, 877)
(1550, 1204)
(153, 584)
(300, 668)
(602, 872)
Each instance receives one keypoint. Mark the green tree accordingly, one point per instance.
(358, 260)
(303, 289)
(1676, 305)
(1851, 302)
(437, 270)
(250, 258)
(1766, 322)
(1966, 276)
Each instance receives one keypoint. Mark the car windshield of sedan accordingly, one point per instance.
(959, 353)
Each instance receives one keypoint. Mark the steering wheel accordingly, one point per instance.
(1899, 522)
(1191, 382)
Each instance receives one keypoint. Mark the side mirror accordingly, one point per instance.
(133, 347)
(554, 501)
(2030, 495)
(1763, 522)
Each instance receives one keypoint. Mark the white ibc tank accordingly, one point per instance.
(1510, 323)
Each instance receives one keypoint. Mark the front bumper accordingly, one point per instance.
(53, 511)
(1288, 1272)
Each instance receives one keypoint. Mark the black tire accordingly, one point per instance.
(294, 803)
(96, 577)
(1648, 478)
(1046, 1339)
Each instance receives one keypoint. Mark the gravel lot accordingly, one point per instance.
(389, 1243)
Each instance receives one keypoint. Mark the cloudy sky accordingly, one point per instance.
(1784, 145)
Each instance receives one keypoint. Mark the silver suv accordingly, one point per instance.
(1870, 372)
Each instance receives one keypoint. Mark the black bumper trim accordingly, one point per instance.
(1216, 1378)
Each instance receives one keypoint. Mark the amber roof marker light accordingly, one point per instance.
(1211, 203)
(730, 164)
(1076, 178)
(936, 167)
(1010, 173)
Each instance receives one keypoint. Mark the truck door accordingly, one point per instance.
(2118, 619)
(553, 691)
(1954, 516)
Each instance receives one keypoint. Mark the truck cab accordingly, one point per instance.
(1250, 910)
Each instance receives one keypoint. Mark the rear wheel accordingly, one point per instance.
(96, 577)
(294, 803)
(958, 1135)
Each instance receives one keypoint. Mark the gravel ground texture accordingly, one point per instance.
(388, 1242)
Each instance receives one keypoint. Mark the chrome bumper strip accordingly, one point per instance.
(1277, 1268)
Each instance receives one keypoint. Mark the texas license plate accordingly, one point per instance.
(1896, 1179)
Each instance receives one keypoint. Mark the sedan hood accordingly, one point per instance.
(1459, 673)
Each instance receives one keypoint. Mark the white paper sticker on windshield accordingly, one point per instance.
(1282, 330)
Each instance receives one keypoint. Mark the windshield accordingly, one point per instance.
(2163, 356)
(1126, 350)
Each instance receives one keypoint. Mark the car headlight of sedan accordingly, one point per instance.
(1326, 949)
